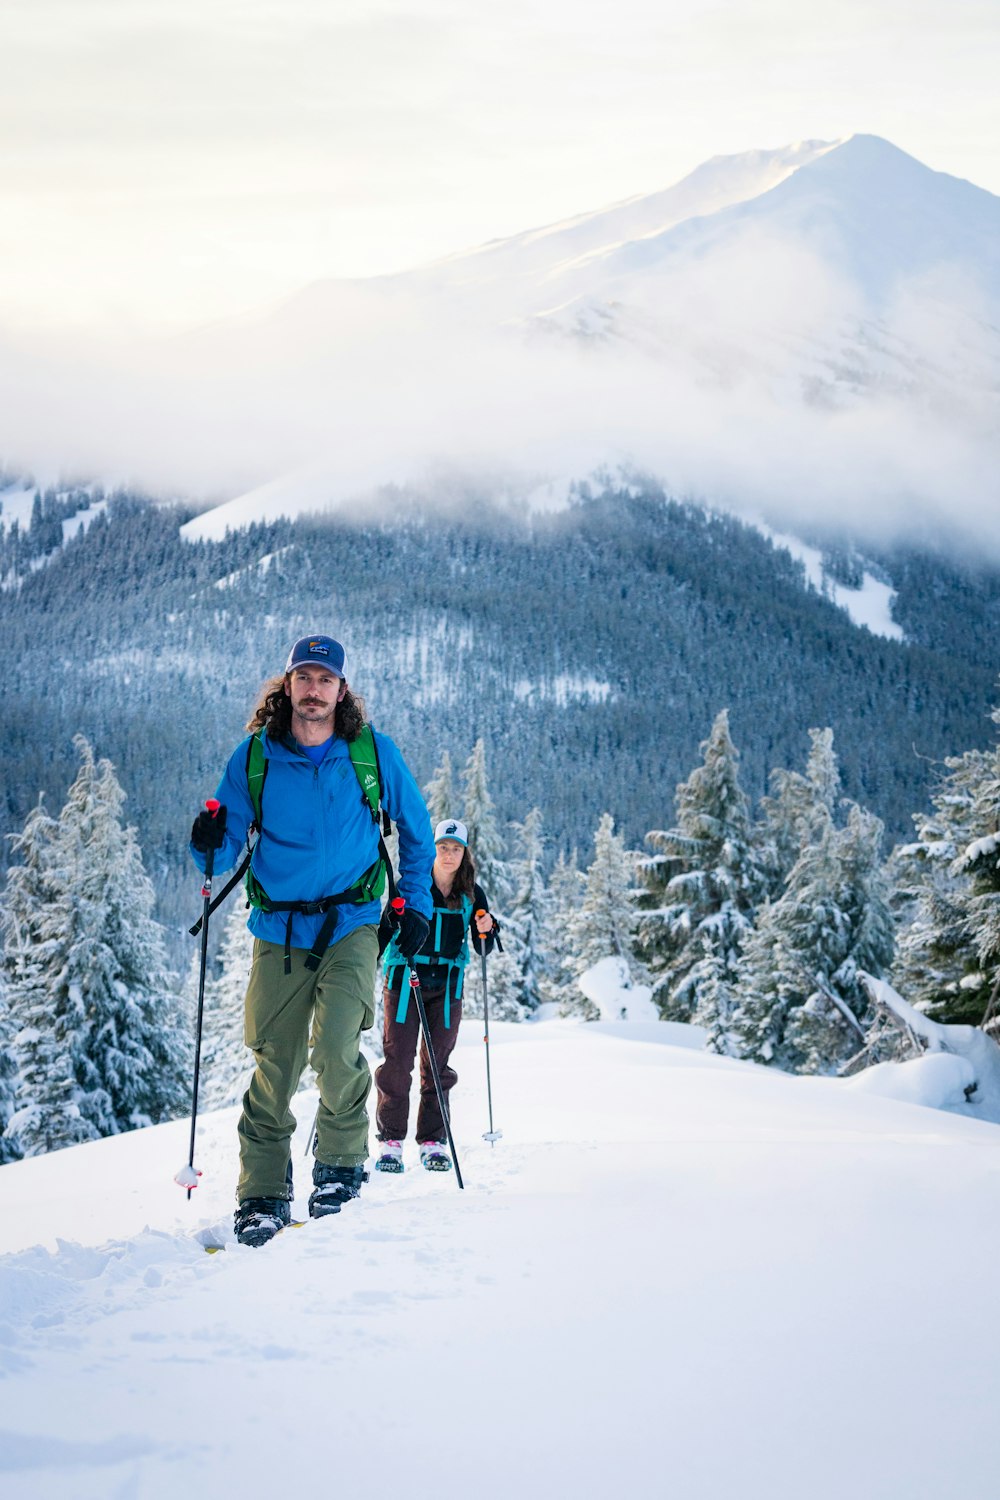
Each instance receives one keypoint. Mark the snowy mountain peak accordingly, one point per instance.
(715, 184)
(711, 335)
(890, 210)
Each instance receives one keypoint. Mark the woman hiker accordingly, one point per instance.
(459, 907)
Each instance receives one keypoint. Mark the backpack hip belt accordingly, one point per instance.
(326, 906)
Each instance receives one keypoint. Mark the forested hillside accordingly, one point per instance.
(591, 649)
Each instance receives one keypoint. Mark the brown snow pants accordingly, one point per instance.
(393, 1076)
(325, 1009)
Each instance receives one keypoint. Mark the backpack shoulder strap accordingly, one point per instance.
(364, 759)
(256, 769)
(256, 774)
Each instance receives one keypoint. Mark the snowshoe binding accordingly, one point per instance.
(258, 1220)
(390, 1158)
(334, 1186)
(434, 1156)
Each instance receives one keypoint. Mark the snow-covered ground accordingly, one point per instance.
(17, 501)
(870, 605)
(674, 1275)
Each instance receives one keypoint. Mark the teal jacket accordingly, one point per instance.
(441, 962)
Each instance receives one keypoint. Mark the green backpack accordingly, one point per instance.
(364, 759)
(367, 887)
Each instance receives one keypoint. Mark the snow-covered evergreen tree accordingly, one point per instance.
(935, 968)
(45, 1026)
(528, 915)
(485, 842)
(980, 863)
(8, 1074)
(799, 1002)
(794, 810)
(603, 924)
(704, 880)
(440, 794)
(132, 1055)
(567, 883)
(716, 1003)
(515, 977)
(948, 883)
(226, 1060)
(101, 1026)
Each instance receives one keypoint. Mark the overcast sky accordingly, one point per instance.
(165, 161)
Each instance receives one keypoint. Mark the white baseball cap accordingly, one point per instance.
(451, 828)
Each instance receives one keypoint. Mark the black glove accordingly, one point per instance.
(413, 928)
(209, 830)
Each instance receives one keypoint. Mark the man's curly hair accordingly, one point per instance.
(274, 713)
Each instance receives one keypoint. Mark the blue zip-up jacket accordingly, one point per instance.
(319, 835)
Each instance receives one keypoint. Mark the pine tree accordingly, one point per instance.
(716, 1004)
(226, 1061)
(706, 879)
(567, 883)
(515, 977)
(603, 924)
(45, 1027)
(936, 969)
(529, 911)
(795, 809)
(979, 863)
(799, 1002)
(948, 883)
(485, 842)
(131, 1055)
(8, 1074)
(440, 794)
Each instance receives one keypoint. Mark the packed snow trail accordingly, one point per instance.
(675, 1275)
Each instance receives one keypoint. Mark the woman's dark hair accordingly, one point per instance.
(274, 713)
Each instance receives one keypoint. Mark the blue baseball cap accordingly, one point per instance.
(318, 651)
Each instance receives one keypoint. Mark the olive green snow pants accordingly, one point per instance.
(327, 1009)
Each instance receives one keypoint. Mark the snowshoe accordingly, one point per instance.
(334, 1186)
(258, 1220)
(390, 1158)
(434, 1156)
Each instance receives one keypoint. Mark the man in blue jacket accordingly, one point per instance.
(313, 883)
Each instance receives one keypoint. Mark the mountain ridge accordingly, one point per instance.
(828, 346)
(811, 281)
(861, 154)
(606, 635)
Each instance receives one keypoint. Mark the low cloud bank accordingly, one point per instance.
(782, 394)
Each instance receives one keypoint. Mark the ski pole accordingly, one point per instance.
(397, 905)
(311, 1142)
(188, 1176)
(490, 1135)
